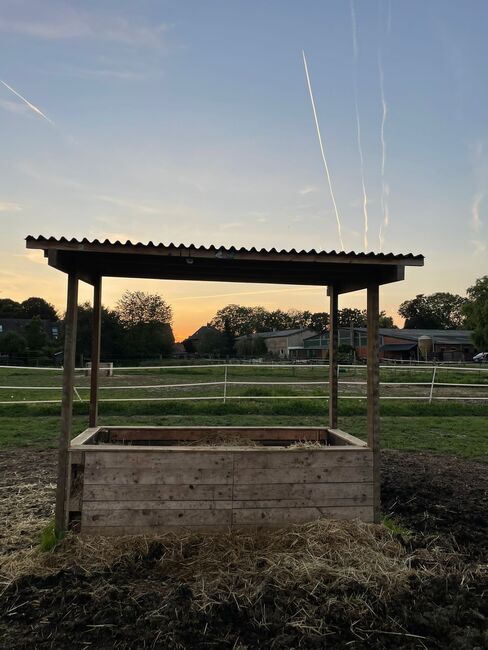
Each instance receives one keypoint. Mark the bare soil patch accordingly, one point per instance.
(330, 584)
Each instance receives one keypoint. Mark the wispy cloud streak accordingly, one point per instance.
(27, 102)
(326, 167)
(358, 126)
(476, 222)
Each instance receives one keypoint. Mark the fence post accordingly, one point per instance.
(432, 385)
(225, 382)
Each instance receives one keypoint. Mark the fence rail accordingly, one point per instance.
(225, 384)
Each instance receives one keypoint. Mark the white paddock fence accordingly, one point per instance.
(431, 387)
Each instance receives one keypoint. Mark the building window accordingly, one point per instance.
(1, 329)
(55, 332)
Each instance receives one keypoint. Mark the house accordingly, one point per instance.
(282, 343)
(191, 343)
(53, 328)
(399, 344)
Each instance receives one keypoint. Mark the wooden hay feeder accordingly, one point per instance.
(119, 480)
(147, 480)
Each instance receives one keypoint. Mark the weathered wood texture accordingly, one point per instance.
(62, 485)
(95, 351)
(333, 361)
(373, 393)
(128, 491)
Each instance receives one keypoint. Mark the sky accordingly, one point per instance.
(191, 122)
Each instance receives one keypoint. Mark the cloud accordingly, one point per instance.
(14, 107)
(231, 224)
(122, 203)
(479, 247)
(27, 103)
(9, 206)
(60, 21)
(476, 222)
(107, 73)
(308, 190)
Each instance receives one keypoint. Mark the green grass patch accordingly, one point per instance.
(49, 538)
(462, 434)
(395, 527)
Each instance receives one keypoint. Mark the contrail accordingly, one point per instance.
(384, 186)
(358, 126)
(326, 167)
(476, 222)
(31, 106)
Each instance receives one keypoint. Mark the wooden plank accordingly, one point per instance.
(76, 457)
(259, 516)
(303, 491)
(333, 358)
(60, 517)
(95, 351)
(84, 436)
(96, 506)
(326, 457)
(373, 392)
(337, 436)
(156, 518)
(128, 476)
(303, 475)
(156, 492)
(121, 531)
(196, 433)
(162, 458)
(312, 501)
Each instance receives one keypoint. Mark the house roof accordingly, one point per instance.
(91, 259)
(459, 337)
(398, 347)
(200, 331)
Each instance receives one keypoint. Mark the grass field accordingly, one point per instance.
(19, 384)
(455, 427)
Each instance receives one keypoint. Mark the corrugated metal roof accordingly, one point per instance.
(53, 241)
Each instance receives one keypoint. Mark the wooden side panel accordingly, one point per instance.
(302, 475)
(286, 516)
(130, 491)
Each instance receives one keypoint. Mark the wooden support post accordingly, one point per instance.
(95, 351)
(374, 394)
(67, 403)
(333, 367)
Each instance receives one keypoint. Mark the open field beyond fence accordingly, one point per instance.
(449, 416)
(238, 382)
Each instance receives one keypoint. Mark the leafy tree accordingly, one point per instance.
(476, 311)
(113, 333)
(35, 334)
(149, 339)
(355, 317)
(240, 320)
(243, 321)
(386, 321)
(12, 343)
(10, 308)
(38, 307)
(136, 307)
(439, 310)
(319, 321)
(212, 342)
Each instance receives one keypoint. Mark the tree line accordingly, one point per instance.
(138, 327)
(140, 323)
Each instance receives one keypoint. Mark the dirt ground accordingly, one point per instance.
(440, 503)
